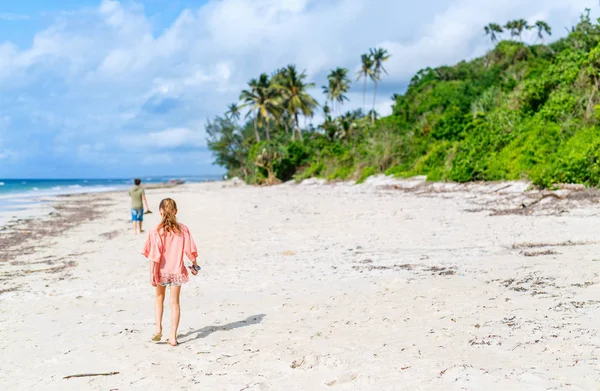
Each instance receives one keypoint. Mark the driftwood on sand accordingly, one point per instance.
(91, 374)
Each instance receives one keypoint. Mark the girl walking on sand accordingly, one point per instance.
(165, 246)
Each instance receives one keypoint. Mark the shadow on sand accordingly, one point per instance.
(208, 330)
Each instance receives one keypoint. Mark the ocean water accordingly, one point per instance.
(19, 194)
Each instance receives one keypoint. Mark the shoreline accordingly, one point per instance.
(37, 205)
(65, 212)
(51, 217)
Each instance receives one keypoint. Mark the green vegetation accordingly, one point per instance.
(523, 110)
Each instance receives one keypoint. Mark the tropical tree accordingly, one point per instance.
(233, 111)
(338, 85)
(542, 28)
(328, 126)
(365, 72)
(228, 143)
(379, 56)
(516, 27)
(263, 100)
(347, 124)
(510, 26)
(294, 98)
(520, 26)
(328, 91)
(493, 30)
(266, 155)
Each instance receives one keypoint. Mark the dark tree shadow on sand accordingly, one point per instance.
(208, 330)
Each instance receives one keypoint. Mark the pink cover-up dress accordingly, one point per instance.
(167, 250)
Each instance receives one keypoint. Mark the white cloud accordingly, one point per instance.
(168, 138)
(6, 154)
(13, 17)
(155, 159)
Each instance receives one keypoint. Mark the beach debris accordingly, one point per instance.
(539, 253)
(129, 331)
(249, 385)
(111, 234)
(463, 366)
(288, 253)
(405, 266)
(91, 374)
(485, 341)
(11, 289)
(568, 243)
(584, 285)
(306, 362)
(441, 271)
(52, 269)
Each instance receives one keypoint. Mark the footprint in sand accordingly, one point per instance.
(306, 362)
(346, 378)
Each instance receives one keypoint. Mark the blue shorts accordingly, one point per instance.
(137, 214)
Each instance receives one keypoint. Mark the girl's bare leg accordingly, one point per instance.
(159, 307)
(175, 313)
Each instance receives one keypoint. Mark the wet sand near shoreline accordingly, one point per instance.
(388, 285)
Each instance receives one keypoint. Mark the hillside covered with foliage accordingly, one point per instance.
(522, 111)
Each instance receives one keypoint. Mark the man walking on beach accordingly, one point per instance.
(138, 200)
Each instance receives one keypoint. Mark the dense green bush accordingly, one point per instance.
(519, 112)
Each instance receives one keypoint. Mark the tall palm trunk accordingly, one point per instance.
(298, 127)
(365, 95)
(256, 129)
(267, 133)
(374, 100)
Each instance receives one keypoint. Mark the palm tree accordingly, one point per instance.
(263, 101)
(493, 30)
(233, 111)
(516, 27)
(329, 126)
(339, 84)
(379, 56)
(520, 26)
(365, 72)
(510, 26)
(328, 91)
(542, 28)
(248, 97)
(294, 98)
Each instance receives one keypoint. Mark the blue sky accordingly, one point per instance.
(111, 88)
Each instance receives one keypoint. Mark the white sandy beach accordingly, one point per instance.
(310, 287)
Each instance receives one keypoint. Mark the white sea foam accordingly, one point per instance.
(1, 183)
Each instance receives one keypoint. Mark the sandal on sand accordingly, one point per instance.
(156, 337)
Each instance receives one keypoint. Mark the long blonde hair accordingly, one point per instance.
(169, 223)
